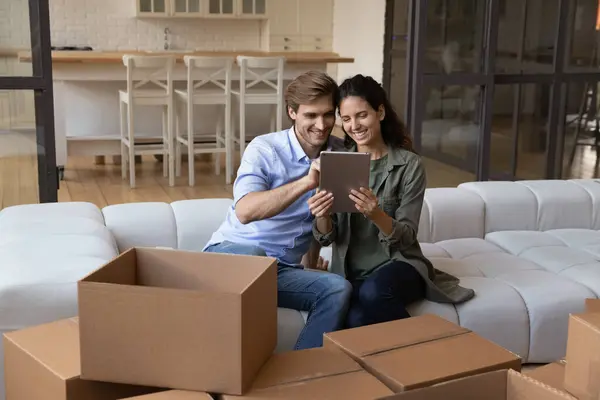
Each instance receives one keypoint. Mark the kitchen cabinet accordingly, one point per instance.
(300, 25)
(187, 7)
(253, 8)
(153, 8)
(229, 9)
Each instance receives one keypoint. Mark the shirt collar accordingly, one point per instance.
(297, 150)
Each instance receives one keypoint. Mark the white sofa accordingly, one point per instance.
(530, 249)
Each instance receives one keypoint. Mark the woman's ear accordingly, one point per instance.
(381, 112)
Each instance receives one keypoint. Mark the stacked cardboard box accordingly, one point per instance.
(164, 324)
(578, 375)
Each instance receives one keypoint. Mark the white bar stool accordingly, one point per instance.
(149, 83)
(208, 83)
(267, 71)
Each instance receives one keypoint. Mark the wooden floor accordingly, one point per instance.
(102, 184)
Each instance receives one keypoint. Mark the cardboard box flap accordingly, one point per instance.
(55, 345)
(592, 305)
(173, 395)
(180, 269)
(394, 335)
(521, 387)
(590, 320)
(358, 385)
(303, 365)
(552, 374)
(496, 385)
(419, 365)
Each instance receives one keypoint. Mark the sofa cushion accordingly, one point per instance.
(518, 299)
(150, 224)
(197, 220)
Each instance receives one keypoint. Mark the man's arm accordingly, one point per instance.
(254, 200)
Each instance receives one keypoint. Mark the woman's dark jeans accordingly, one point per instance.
(384, 295)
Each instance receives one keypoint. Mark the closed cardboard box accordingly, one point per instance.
(314, 374)
(42, 362)
(495, 385)
(552, 374)
(592, 305)
(174, 395)
(582, 369)
(421, 351)
(179, 320)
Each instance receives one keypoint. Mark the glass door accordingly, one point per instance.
(28, 171)
(504, 89)
(450, 84)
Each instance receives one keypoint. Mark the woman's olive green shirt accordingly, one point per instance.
(400, 196)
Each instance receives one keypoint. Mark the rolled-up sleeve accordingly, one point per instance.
(254, 172)
(406, 219)
(325, 239)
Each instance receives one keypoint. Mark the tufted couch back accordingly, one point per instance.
(474, 209)
(470, 210)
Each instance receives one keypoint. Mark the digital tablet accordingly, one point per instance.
(342, 172)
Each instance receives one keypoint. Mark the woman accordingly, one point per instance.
(376, 248)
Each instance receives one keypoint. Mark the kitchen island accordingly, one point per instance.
(86, 102)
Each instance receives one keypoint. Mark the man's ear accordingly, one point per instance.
(291, 113)
(381, 112)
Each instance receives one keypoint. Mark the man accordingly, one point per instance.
(270, 215)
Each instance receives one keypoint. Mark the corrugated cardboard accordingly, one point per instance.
(42, 363)
(592, 305)
(174, 395)
(582, 371)
(495, 385)
(552, 374)
(420, 351)
(313, 374)
(179, 320)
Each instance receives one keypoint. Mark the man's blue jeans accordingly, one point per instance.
(324, 295)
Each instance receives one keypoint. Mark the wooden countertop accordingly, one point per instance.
(110, 57)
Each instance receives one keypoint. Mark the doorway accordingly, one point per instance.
(499, 89)
(28, 171)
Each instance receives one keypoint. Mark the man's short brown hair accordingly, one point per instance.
(308, 87)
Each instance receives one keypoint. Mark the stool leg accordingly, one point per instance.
(171, 141)
(130, 134)
(273, 119)
(166, 146)
(177, 142)
(228, 143)
(279, 115)
(242, 126)
(219, 136)
(190, 137)
(122, 126)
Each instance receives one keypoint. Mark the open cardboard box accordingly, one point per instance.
(420, 351)
(317, 373)
(178, 319)
(42, 362)
(494, 385)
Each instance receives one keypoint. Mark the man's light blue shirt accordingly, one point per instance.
(270, 161)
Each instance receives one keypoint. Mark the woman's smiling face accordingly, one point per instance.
(360, 121)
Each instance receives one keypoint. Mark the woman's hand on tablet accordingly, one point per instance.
(365, 201)
(320, 204)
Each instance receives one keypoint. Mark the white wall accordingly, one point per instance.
(110, 25)
(358, 31)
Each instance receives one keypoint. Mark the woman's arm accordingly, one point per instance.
(325, 230)
(400, 232)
